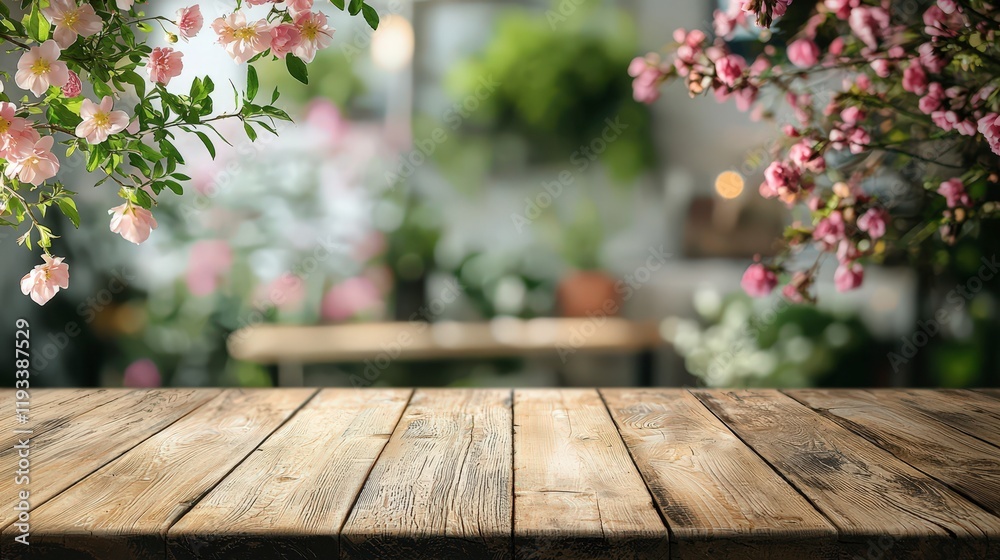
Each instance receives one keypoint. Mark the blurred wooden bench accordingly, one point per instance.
(290, 347)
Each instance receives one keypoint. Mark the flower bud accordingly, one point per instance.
(171, 38)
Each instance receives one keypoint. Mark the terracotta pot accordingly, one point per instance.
(588, 292)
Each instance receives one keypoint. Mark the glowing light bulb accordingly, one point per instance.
(729, 184)
(392, 43)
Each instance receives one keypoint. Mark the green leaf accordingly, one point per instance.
(37, 26)
(371, 16)
(252, 84)
(207, 142)
(355, 7)
(68, 208)
(338, 3)
(142, 198)
(296, 68)
(101, 89)
(251, 133)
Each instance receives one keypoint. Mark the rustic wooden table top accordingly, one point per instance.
(489, 473)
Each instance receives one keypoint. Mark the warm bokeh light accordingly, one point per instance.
(392, 44)
(729, 184)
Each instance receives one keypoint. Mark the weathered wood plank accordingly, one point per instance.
(67, 453)
(577, 493)
(123, 510)
(290, 498)
(969, 411)
(995, 393)
(719, 498)
(50, 408)
(442, 486)
(953, 457)
(878, 503)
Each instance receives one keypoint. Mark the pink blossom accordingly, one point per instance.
(286, 292)
(243, 40)
(99, 121)
(936, 22)
(930, 59)
(836, 47)
(803, 53)
(40, 68)
(830, 230)
(966, 127)
(989, 126)
(296, 7)
(35, 164)
(45, 280)
(847, 251)
(858, 140)
(284, 39)
(315, 32)
(852, 115)
(805, 157)
(189, 21)
(933, 100)
(142, 374)
(73, 86)
(164, 64)
(72, 20)
(780, 180)
(841, 8)
(648, 74)
(208, 262)
(874, 222)
(882, 67)
(915, 79)
(350, 298)
(869, 23)
(849, 276)
(948, 6)
(729, 69)
(946, 120)
(17, 137)
(134, 223)
(758, 280)
(124, 4)
(953, 190)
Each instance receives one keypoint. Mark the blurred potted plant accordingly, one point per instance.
(587, 288)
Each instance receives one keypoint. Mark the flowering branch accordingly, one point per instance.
(928, 80)
(103, 42)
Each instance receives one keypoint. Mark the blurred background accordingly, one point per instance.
(482, 166)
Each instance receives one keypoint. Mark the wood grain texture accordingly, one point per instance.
(878, 503)
(974, 413)
(290, 498)
(962, 462)
(442, 486)
(76, 448)
(577, 493)
(50, 408)
(719, 498)
(995, 393)
(123, 511)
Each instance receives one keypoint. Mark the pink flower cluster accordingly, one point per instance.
(304, 36)
(911, 82)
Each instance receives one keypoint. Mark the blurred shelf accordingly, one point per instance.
(271, 344)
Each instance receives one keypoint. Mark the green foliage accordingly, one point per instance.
(557, 83)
